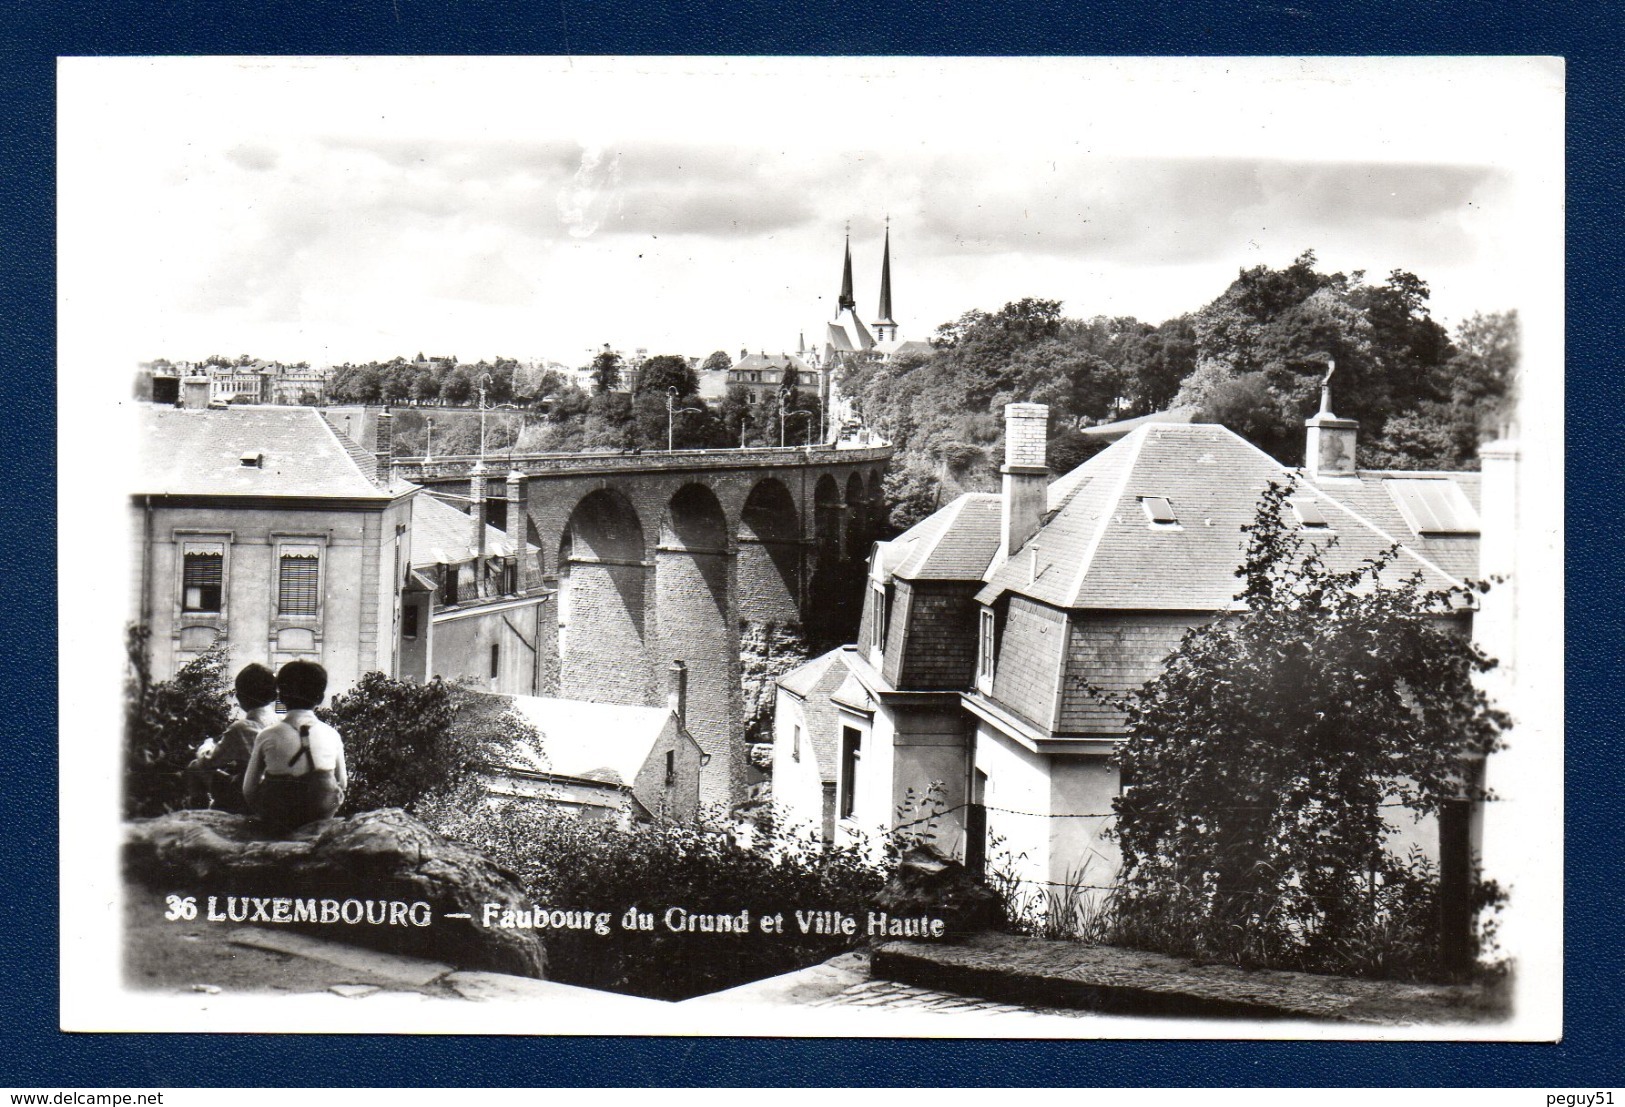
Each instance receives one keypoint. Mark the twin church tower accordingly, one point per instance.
(846, 333)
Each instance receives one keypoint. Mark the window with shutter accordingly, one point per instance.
(298, 582)
(202, 580)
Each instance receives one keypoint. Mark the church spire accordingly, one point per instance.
(847, 299)
(884, 323)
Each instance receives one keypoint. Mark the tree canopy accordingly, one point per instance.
(665, 371)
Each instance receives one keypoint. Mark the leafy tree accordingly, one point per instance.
(606, 371)
(719, 361)
(408, 744)
(609, 423)
(568, 400)
(395, 382)
(424, 388)
(165, 721)
(738, 418)
(457, 388)
(1247, 405)
(665, 371)
(1264, 756)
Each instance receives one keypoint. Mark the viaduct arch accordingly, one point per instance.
(733, 562)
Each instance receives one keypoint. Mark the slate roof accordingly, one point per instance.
(771, 362)
(200, 453)
(1101, 550)
(1371, 497)
(956, 542)
(816, 683)
(441, 535)
(607, 742)
(1111, 432)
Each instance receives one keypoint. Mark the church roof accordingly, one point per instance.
(846, 333)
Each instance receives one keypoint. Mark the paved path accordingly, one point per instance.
(891, 994)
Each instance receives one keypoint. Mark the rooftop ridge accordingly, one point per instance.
(1138, 436)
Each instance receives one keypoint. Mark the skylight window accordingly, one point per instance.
(1159, 510)
(1309, 513)
(1433, 506)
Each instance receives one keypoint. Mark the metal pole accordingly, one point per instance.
(482, 417)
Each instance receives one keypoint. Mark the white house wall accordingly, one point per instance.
(1018, 780)
(798, 789)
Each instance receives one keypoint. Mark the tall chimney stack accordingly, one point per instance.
(1329, 451)
(516, 530)
(1025, 474)
(677, 690)
(383, 447)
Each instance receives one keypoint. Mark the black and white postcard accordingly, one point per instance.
(1047, 547)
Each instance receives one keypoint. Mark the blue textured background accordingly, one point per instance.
(1588, 34)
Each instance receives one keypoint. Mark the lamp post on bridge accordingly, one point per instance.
(672, 411)
(484, 379)
(428, 441)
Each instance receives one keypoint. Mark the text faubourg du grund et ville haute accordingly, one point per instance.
(677, 920)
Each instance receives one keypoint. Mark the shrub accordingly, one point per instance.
(165, 721)
(1264, 754)
(580, 864)
(407, 743)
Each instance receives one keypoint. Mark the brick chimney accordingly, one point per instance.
(1025, 474)
(677, 690)
(1329, 451)
(516, 530)
(383, 447)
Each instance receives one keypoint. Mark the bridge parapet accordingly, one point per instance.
(454, 468)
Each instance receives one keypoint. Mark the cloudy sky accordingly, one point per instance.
(350, 209)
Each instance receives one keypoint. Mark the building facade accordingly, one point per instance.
(268, 531)
(991, 624)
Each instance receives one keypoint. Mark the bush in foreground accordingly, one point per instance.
(583, 865)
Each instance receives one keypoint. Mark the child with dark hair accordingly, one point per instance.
(215, 776)
(296, 773)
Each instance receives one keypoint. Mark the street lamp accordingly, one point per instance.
(428, 443)
(671, 416)
(484, 380)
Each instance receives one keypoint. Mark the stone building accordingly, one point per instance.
(989, 621)
(268, 530)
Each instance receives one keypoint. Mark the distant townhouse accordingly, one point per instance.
(267, 530)
(298, 384)
(989, 622)
(241, 384)
(762, 374)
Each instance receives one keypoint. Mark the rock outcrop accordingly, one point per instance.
(380, 879)
(927, 883)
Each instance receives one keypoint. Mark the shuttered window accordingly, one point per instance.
(298, 582)
(202, 574)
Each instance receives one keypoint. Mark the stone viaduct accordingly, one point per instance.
(733, 562)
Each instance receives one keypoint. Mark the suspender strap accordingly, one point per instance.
(304, 749)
